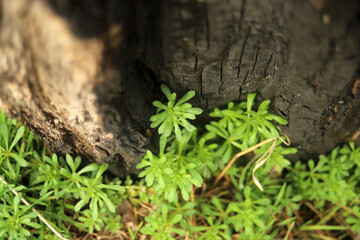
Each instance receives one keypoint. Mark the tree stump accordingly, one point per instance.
(83, 74)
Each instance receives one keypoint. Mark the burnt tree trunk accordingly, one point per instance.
(83, 74)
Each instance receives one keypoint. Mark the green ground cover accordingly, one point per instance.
(229, 180)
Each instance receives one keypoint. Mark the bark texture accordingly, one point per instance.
(83, 74)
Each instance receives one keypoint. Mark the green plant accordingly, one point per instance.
(329, 178)
(241, 127)
(199, 185)
(353, 219)
(161, 224)
(214, 230)
(57, 189)
(288, 199)
(90, 222)
(187, 157)
(173, 115)
(93, 191)
(248, 213)
(174, 169)
(14, 217)
(190, 158)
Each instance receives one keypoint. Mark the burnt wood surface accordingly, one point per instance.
(83, 74)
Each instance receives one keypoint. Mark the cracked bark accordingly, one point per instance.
(83, 75)
(242, 50)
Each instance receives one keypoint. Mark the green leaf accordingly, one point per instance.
(280, 195)
(115, 188)
(177, 132)
(167, 128)
(65, 172)
(82, 203)
(250, 101)
(172, 100)
(185, 194)
(17, 137)
(94, 207)
(101, 170)
(19, 159)
(280, 120)
(323, 227)
(195, 111)
(2, 117)
(31, 215)
(168, 171)
(158, 105)
(5, 133)
(264, 106)
(150, 177)
(33, 225)
(286, 221)
(70, 162)
(187, 125)
(180, 232)
(89, 168)
(166, 91)
(17, 199)
(158, 119)
(186, 98)
(177, 218)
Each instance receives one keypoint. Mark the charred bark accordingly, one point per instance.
(83, 74)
